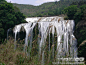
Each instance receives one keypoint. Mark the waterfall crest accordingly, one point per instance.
(66, 41)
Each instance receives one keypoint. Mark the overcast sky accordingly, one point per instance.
(32, 2)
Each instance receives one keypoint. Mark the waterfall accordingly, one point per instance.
(8, 32)
(44, 32)
(53, 41)
(63, 29)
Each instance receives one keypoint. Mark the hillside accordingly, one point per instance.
(57, 7)
(31, 10)
(11, 16)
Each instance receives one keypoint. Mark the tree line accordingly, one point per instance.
(9, 17)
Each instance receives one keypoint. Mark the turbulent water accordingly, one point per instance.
(66, 41)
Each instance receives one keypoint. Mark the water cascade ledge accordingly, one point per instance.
(66, 41)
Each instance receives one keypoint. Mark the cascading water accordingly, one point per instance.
(8, 32)
(66, 41)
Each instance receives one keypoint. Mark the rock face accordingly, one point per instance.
(56, 26)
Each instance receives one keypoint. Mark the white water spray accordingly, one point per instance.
(66, 41)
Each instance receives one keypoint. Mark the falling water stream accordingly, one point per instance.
(66, 41)
(8, 32)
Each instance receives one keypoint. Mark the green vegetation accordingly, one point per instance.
(9, 56)
(2, 0)
(9, 17)
(46, 9)
(70, 11)
(78, 13)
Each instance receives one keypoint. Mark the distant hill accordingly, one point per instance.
(57, 7)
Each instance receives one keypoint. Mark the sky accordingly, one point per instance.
(31, 2)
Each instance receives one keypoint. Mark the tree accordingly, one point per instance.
(70, 11)
(16, 9)
(9, 17)
(2, 0)
(1, 32)
(83, 11)
(85, 14)
(80, 14)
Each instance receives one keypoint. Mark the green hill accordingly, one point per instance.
(56, 7)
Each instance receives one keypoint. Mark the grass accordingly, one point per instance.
(9, 56)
